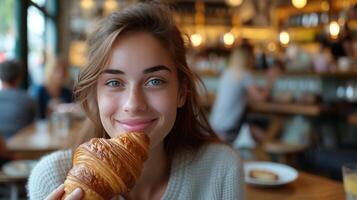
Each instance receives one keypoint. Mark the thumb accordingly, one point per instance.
(75, 195)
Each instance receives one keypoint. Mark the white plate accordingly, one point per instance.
(19, 168)
(285, 173)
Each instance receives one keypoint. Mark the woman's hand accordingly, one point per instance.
(59, 192)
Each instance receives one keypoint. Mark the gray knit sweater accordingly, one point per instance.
(215, 173)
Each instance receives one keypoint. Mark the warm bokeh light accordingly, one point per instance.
(271, 46)
(341, 21)
(78, 53)
(334, 29)
(110, 6)
(228, 38)
(87, 4)
(234, 2)
(196, 39)
(299, 3)
(325, 6)
(284, 37)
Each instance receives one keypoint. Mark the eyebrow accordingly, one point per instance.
(146, 71)
(156, 68)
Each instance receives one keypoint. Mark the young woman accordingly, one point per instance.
(137, 79)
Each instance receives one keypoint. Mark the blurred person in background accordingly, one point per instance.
(235, 88)
(18, 109)
(54, 91)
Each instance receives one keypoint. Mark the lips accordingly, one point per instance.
(136, 124)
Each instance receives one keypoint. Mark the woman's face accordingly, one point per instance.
(59, 73)
(139, 89)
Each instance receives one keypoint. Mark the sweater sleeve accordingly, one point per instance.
(48, 174)
(234, 183)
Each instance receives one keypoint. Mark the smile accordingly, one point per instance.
(136, 124)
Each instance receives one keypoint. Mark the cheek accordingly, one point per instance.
(166, 99)
(106, 105)
(166, 105)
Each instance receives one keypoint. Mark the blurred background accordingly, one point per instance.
(308, 119)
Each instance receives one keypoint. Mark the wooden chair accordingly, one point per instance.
(11, 187)
(276, 149)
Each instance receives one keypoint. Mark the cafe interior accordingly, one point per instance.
(304, 130)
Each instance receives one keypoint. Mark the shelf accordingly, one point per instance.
(353, 74)
(347, 74)
(272, 107)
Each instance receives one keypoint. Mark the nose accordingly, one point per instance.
(136, 101)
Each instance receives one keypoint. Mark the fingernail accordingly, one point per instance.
(77, 192)
(60, 187)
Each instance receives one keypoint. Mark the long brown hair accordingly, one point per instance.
(191, 129)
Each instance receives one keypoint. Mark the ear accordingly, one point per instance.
(182, 96)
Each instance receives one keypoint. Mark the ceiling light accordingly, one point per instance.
(87, 4)
(334, 29)
(196, 39)
(299, 3)
(110, 5)
(284, 37)
(228, 38)
(234, 3)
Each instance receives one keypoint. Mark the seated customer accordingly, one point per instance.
(54, 91)
(17, 108)
(236, 87)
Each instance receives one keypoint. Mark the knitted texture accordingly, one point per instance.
(213, 173)
(48, 174)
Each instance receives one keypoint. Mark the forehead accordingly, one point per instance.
(139, 50)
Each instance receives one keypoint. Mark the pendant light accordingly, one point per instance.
(299, 3)
(234, 3)
(334, 29)
(284, 38)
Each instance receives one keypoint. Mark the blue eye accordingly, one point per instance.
(113, 83)
(156, 82)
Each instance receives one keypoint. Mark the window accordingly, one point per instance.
(36, 41)
(7, 30)
(41, 36)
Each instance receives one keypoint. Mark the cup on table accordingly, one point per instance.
(60, 123)
(349, 172)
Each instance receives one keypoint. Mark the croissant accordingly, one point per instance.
(105, 168)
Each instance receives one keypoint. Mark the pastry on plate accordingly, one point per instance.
(263, 175)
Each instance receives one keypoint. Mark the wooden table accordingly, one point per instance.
(285, 108)
(40, 138)
(305, 187)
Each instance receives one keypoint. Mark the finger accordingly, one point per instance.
(75, 195)
(56, 194)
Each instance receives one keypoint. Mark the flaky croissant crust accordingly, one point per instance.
(105, 168)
